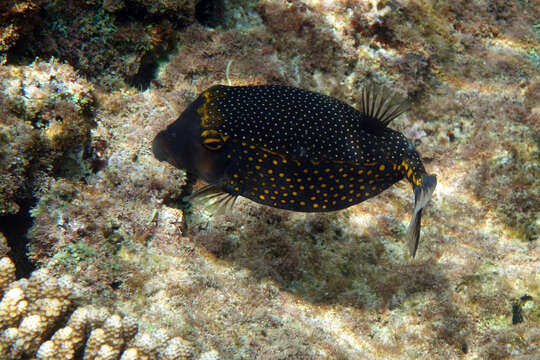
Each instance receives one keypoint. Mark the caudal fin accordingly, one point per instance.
(422, 194)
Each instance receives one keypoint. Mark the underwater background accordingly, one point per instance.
(101, 259)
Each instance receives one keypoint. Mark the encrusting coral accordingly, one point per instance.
(30, 310)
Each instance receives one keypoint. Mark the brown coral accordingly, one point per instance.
(31, 308)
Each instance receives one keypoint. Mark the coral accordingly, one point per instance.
(45, 129)
(259, 283)
(18, 19)
(32, 308)
(117, 43)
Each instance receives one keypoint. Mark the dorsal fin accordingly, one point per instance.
(381, 105)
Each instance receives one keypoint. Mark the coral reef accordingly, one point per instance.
(44, 129)
(31, 309)
(260, 283)
(18, 19)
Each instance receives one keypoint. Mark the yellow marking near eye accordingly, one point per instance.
(252, 147)
(302, 203)
(313, 198)
(362, 187)
(275, 162)
(273, 197)
(288, 179)
(276, 192)
(327, 170)
(367, 194)
(323, 185)
(250, 158)
(235, 175)
(334, 202)
(272, 179)
(270, 171)
(376, 175)
(301, 187)
(266, 191)
(351, 191)
(325, 194)
(261, 197)
(294, 193)
(373, 188)
(340, 170)
(258, 167)
(283, 201)
(299, 180)
(341, 186)
(320, 178)
(370, 172)
(331, 176)
(292, 201)
(358, 195)
(361, 180)
(308, 178)
(229, 156)
(260, 160)
(245, 151)
(394, 166)
(409, 173)
(236, 188)
(324, 206)
(345, 175)
(315, 206)
(265, 156)
(351, 185)
(281, 174)
(306, 171)
(343, 198)
(231, 182)
(311, 187)
(371, 181)
(381, 168)
(285, 194)
(335, 195)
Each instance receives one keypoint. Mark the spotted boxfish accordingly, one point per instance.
(295, 149)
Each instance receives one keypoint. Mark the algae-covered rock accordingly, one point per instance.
(44, 128)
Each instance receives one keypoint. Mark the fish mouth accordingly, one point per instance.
(160, 148)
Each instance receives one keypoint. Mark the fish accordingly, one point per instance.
(295, 149)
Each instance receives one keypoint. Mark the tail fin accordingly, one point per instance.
(422, 194)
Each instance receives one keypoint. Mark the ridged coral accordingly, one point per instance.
(31, 308)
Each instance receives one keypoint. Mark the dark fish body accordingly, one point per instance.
(295, 149)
